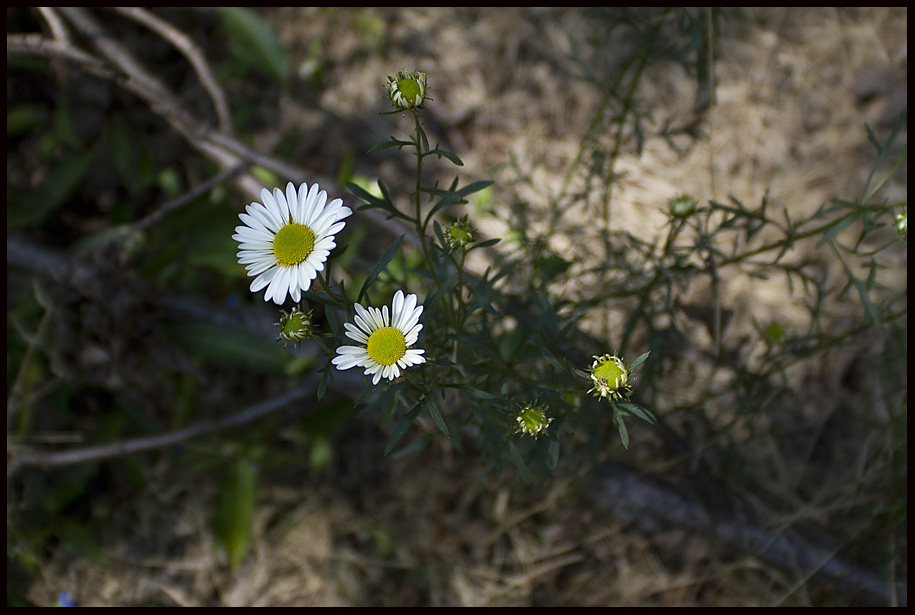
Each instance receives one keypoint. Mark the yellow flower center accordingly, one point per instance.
(387, 345)
(612, 371)
(409, 89)
(533, 420)
(459, 235)
(293, 243)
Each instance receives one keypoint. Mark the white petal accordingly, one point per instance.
(349, 356)
(411, 335)
(396, 308)
(279, 286)
(263, 280)
(354, 333)
(302, 201)
(405, 317)
(311, 200)
(316, 212)
(413, 356)
(257, 267)
(263, 218)
(363, 319)
(304, 275)
(374, 318)
(283, 205)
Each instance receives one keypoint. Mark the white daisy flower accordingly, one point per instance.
(286, 239)
(385, 342)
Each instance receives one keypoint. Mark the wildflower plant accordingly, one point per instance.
(435, 340)
(440, 346)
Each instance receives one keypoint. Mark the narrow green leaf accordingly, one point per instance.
(366, 392)
(552, 459)
(386, 193)
(481, 394)
(332, 321)
(871, 275)
(446, 286)
(373, 202)
(519, 461)
(258, 37)
(641, 359)
(638, 412)
(363, 194)
(439, 232)
(869, 306)
(449, 155)
(31, 208)
(234, 513)
(475, 187)
(380, 265)
(122, 147)
(436, 414)
(402, 427)
(423, 138)
(618, 419)
(449, 198)
(548, 355)
(322, 298)
(386, 144)
(834, 230)
(414, 448)
(322, 385)
(485, 244)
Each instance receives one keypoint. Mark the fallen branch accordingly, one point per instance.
(47, 459)
(219, 146)
(653, 506)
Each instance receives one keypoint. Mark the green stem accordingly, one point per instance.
(420, 224)
(326, 288)
(419, 177)
(786, 241)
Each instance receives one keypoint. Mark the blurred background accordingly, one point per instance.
(134, 139)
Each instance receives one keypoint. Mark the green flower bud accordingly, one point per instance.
(681, 206)
(610, 376)
(295, 326)
(532, 419)
(459, 234)
(407, 89)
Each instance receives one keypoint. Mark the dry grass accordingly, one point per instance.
(791, 101)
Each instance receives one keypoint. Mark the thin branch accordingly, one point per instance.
(55, 24)
(36, 44)
(225, 150)
(46, 460)
(159, 98)
(192, 53)
(181, 201)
